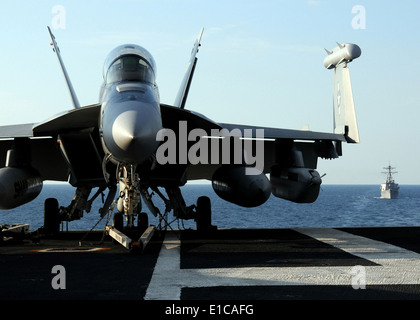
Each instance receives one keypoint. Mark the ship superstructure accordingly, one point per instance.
(389, 189)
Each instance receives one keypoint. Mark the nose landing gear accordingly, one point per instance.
(129, 206)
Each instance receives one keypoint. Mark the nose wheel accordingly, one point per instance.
(129, 207)
(142, 224)
(125, 235)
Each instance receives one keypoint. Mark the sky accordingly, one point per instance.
(260, 63)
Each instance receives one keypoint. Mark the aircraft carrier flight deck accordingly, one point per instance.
(375, 263)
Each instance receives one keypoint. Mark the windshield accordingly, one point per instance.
(130, 68)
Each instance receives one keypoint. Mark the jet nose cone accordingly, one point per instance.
(124, 129)
(134, 134)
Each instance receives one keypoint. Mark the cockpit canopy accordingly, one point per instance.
(130, 68)
(129, 63)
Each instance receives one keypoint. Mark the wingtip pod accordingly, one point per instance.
(346, 52)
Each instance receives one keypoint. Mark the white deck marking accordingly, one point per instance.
(396, 266)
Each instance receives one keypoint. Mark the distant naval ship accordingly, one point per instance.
(389, 189)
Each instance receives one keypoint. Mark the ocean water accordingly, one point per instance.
(336, 206)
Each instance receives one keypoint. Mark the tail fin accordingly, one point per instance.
(186, 82)
(345, 121)
(63, 68)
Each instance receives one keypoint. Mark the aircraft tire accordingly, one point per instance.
(203, 211)
(51, 218)
(118, 221)
(143, 221)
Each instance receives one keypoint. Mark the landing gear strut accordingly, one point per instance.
(129, 207)
(201, 212)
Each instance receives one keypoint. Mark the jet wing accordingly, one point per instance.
(17, 131)
(78, 150)
(43, 155)
(73, 120)
(276, 133)
(172, 115)
(76, 129)
(42, 150)
(278, 145)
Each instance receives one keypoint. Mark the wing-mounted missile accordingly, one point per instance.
(343, 53)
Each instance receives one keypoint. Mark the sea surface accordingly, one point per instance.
(336, 206)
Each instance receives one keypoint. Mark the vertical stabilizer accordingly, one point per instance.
(181, 98)
(63, 68)
(345, 121)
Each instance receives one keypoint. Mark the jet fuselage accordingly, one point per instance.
(130, 114)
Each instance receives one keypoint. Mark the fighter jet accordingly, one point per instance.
(135, 147)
